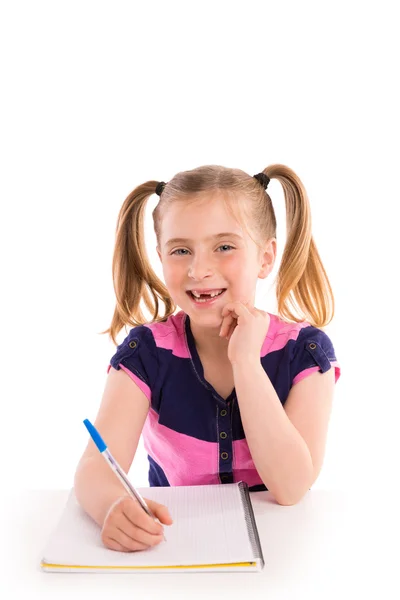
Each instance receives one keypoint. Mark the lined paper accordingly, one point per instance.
(209, 527)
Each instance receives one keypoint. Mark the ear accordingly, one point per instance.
(268, 256)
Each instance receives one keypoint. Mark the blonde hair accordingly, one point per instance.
(301, 282)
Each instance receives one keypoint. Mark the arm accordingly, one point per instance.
(287, 444)
(120, 421)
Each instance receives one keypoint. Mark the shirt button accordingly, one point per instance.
(224, 413)
(312, 346)
(224, 477)
(223, 435)
(224, 455)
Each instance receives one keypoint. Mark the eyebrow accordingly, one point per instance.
(217, 236)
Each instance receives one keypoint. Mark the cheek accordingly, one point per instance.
(235, 264)
(239, 272)
(173, 273)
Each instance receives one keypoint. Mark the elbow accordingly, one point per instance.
(291, 500)
(286, 502)
(293, 489)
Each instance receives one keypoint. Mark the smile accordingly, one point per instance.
(205, 296)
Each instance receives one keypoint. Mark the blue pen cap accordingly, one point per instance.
(96, 437)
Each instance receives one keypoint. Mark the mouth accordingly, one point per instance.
(205, 296)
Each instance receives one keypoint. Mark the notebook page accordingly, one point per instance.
(209, 527)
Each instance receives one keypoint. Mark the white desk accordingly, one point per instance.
(331, 545)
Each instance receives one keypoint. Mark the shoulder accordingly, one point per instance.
(149, 338)
(145, 353)
(138, 338)
(170, 334)
(171, 328)
(314, 340)
(306, 347)
(283, 333)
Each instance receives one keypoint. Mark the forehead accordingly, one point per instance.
(198, 216)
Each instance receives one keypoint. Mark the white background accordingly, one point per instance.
(99, 97)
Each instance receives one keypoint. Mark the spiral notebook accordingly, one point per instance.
(214, 529)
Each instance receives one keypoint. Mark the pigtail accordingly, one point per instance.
(302, 281)
(134, 279)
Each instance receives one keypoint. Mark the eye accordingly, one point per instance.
(226, 247)
(178, 252)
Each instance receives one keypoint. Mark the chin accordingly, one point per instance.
(206, 318)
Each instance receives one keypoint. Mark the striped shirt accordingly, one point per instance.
(192, 435)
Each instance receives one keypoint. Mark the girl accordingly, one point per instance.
(221, 390)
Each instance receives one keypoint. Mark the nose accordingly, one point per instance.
(199, 268)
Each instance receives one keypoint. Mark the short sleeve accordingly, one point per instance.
(313, 351)
(137, 356)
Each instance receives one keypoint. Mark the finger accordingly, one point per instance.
(231, 330)
(114, 544)
(161, 512)
(147, 522)
(228, 327)
(128, 535)
(237, 310)
(231, 313)
(140, 524)
(135, 532)
(226, 324)
(132, 510)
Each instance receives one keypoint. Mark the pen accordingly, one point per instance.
(110, 460)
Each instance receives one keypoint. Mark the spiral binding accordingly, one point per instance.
(251, 521)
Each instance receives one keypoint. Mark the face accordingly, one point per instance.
(205, 251)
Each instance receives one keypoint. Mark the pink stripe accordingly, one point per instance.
(185, 460)
(145, 388)
(171, 335)
(306, 372)
(279, 333)
(243, 465)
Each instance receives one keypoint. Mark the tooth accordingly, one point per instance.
(213, 294)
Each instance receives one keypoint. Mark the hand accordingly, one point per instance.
(127, 527)
(245, 327)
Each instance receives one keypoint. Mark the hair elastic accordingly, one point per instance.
(263, 179)
(160, 187)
